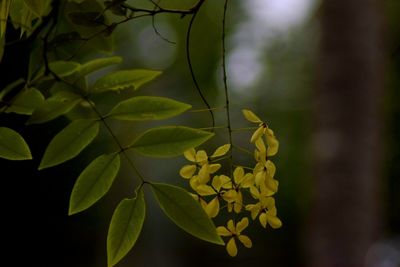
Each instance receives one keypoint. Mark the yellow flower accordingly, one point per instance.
(261, 195)
(235, 232)
(200, 159)
(268, 214)
(266, 208)
(241, 180)
(218, 184)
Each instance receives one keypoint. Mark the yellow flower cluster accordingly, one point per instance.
(217, 191)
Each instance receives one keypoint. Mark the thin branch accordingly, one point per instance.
(189, 62)
(225, 78)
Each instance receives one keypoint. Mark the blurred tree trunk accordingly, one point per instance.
(347, 136)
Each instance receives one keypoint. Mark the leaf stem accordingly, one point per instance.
(225, 78)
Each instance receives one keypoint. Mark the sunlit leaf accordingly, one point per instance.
(26, 102)
(4, 11)
(39, 7)
(123, 79)
(94, 182)
(12, 145)
(56, 105)
(68, 143)
(147, 108)
(186, 212)
(64, 68)
(169, 141)
(125, 227)
(22, 16)
(97, 64)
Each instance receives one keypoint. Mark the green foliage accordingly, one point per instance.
(4, 11)
(125, 227)
(12, 145)
(26, 102)
(38, 7)
(68, 143)
(124, 79)
(58, 86)
(54, 106)
(94, 182)
(98, 64)
(169, 141)
(141, 108)
(185, 212)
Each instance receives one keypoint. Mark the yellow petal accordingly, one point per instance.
(231, 247)
(203, 203)
(272, 184)
(216, 183)
(187, 171)
(212, 208)
(237, 207)
(204, 174)
(201, 157)
(231, 227)
(245, 241)
(240, 226)
(254, 192)
(274, 222)
(272, 143)
(270, 167)
(260, 145)
(248, 180)
(222, 231)
(205, 190)
(238, 174)
(257, 134)
(230, 207)
(194, 182)
(265, 191)
(260, 178)
(250, 116)
(214, 167)
(263, 219)
(222, 150)
(190, 155)
(226, 182)
(230, 196)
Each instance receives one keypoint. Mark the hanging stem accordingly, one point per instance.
(225, 79)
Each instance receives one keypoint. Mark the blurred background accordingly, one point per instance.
(324, 75)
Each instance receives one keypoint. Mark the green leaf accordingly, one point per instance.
(12, 145)
(22, 16)
(64, 68)
(186, 212)
(68, 143)
(125, 227)
(97, 64)
(94, 182)
(10, 87)
(4, 11)
(169, 141)
(39, 7)
(123, 79)
(26, 102)
(2, 43)
(56, 105)
(148, 108)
